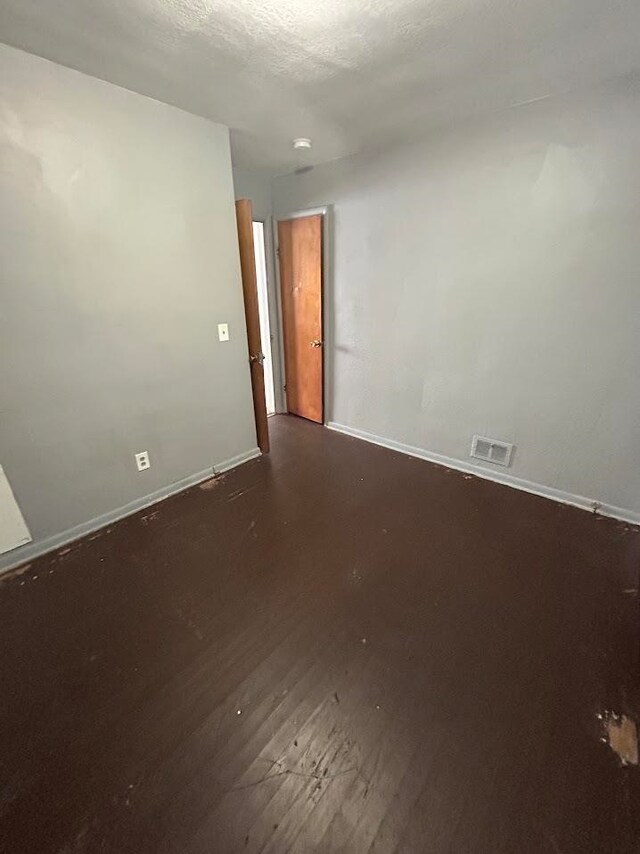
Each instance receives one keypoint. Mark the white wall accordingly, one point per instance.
(487, 280)
(119, 256)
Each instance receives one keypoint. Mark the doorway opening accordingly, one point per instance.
(263, 311)
(300, 255)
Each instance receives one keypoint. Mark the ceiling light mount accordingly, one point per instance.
(301, 143)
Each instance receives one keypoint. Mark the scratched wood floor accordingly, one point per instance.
(336, 648)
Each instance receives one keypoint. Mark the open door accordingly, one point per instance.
(300, 254)
(244, 219)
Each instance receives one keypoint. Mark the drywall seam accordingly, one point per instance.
(559, 495)
(33, 550)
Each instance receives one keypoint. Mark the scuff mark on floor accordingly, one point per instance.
(74, 547)
(281, 771)
(629, 527)
(239, 493)
(15, 573)
(355, 578)
(212, 483)
(621, 734)
(150, 517)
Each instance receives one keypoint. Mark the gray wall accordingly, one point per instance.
(118, 257)
(256, 186)
(487, 280)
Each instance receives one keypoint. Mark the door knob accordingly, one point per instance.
(316, 343)
(259, 359)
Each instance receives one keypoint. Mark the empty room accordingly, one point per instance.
(319, 426)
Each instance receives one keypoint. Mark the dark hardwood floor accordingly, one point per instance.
(335, 648)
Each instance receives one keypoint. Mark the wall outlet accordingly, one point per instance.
(142, 460)
(223, 331)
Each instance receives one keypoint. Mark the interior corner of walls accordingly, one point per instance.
(255, 186)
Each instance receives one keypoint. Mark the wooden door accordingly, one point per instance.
(300, 252)
(244, 217)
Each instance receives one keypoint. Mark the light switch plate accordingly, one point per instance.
(223, 331)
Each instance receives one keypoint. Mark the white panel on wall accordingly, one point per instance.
(13, 528)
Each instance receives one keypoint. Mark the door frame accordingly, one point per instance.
(326, 212)
(274, 309)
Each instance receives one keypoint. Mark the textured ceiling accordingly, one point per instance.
(348, 73)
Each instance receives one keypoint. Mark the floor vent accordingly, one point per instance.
(491, 450)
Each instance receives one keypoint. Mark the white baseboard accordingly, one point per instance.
(560, 495)
(29, 552)
(237, 461)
